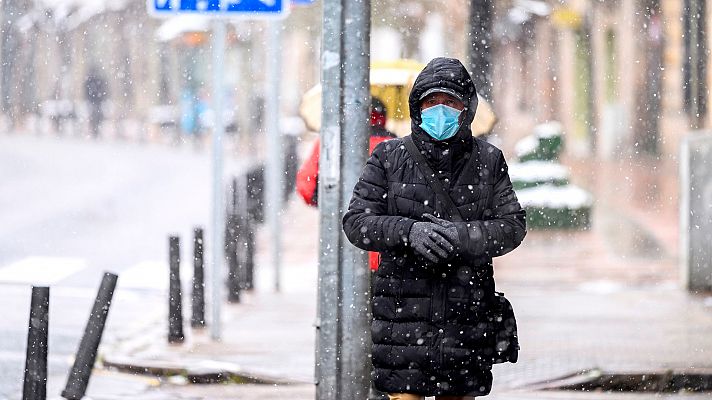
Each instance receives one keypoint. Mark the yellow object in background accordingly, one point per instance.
(391, 82)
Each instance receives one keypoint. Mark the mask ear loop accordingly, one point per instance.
(461, 118)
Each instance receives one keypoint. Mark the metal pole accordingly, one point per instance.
(218, 208)
(480, 52)
(175, 294)
(275, 159)
(35, 385)
(86, 354)
(355, 276)
(197, 319)
(328, 365)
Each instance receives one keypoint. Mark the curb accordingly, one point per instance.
(207, 373)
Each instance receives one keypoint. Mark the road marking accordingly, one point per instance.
(41, 271)
(151, 275)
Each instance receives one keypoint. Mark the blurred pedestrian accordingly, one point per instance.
(96, 91)
(308, 174)
(193, 113)
(437, 205)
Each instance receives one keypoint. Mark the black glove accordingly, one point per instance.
(449, 230)
(429, 240)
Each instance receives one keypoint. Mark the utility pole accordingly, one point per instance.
(343, 338)
(480, 46)
(355, 275)
(328, 332)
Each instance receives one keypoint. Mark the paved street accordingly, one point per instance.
(71, 209)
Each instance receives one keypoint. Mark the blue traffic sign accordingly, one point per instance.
(219, 8)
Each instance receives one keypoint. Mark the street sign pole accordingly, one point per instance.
(275, 156)
(217, 228)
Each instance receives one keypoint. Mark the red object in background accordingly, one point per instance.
(308, 174)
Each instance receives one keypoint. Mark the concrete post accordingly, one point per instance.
(696, 211)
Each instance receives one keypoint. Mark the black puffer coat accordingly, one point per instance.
(431, 333)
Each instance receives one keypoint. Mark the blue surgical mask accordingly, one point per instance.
(440, 122)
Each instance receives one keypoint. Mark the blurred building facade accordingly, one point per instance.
(49, 46)
(628, 79)
(621, 75)
(625, 77)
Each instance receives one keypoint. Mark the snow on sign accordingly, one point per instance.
(220, 8)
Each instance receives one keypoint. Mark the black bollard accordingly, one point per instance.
(86, 354)
(197, 319)
(175, 295)
(244, 250)
(250, 253)
(234, 194)
(244, 236)
(35, 386)
(231, 250)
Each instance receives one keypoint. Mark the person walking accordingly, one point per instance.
(97, 91)
(437, 205)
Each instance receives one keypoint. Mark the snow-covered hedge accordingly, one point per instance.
(536, 173)
(550, 206)
(545, 143)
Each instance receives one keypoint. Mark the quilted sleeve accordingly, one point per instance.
(504, 225)
(366, 223)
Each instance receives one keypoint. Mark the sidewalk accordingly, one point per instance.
(580, 305)
(268, 338)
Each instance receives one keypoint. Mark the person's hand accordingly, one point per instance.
(429, 240)
(448, 230)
